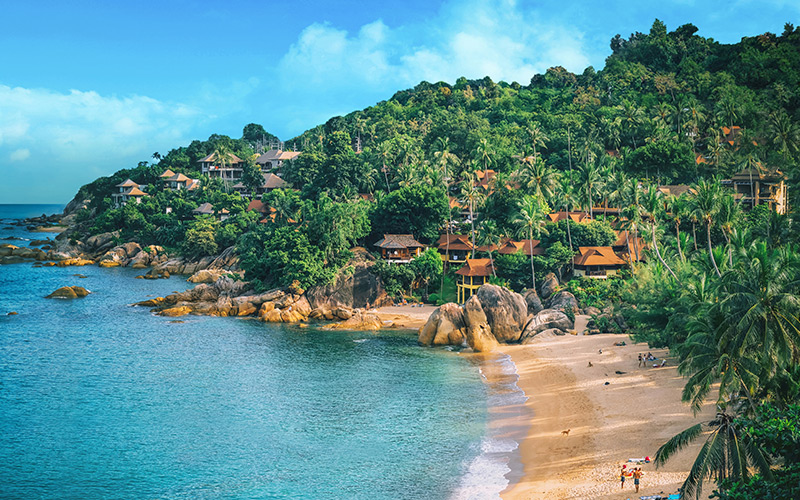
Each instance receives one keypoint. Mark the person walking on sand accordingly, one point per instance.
(640, 360)
(622, 478)
(637, 474)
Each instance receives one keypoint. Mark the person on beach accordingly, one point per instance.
(641, 360)
(637, 474)
(622, 478)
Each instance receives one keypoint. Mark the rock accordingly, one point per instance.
(546, 319)
(563, 301)
(354, 287)
(205, 276)
(11, 259)
(100, 240)
(343, 313)
(12, 313)
(479, 333)
(592, 311)
(246, 309)
(69, 292)
(534, 304)
(76, 261)
(176, 311)
(151, 302)
(29, 253)
(549, 286)
(6, 249)
(360, 321)
(295, 288)
(445, 326)
(82, 276)
(544, 334)
(506, 312)
(620, 320)
(273, 316)
(108, 263)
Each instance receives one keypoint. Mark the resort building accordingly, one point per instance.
(271, 181)
(175, 182)
(759, 186)
(637, 246)
(484, 179)
(597, 262)
(454, 247)
(675, 189)
(228, 170)
(399, 248)
(274, 158)
(127, 191)
(510, 247)
(204, 209)
(472, 275)
(577, 217)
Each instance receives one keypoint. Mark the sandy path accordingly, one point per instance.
(631, 417)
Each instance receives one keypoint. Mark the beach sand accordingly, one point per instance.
(629, 418)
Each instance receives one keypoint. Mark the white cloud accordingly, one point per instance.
(20, 155)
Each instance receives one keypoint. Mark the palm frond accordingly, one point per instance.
(676, 444)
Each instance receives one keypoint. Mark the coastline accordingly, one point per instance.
(631, 417)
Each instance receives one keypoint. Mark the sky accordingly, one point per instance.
(90, 87)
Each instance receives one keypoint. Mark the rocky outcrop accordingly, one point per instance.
(479, 333)
(360, 320)
(69, 292)
(544, 334)
(154, 274)
(205, 276)
(533, 302)
(563, 301)
(77, 261)
(545, 320)
(445, 326)
(549, 286)
(506, 312)
(228, 260)
(7, 250)
(354, 287)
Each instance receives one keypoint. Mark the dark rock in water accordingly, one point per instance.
(11, 259)
(82, 276)
(69, 292)
(549, 286)
(8, 228)
(13, 313)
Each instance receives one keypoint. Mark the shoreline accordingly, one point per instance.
(628, 418)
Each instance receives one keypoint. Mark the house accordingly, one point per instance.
(577, 217)
(274, 158)
(167, 173)
(472, 275)
(399, 248)
(637, 246)
(454, 247)
(510, 247)
(127, 191)
(229, 170)
(177, 181)
(483, 178)
(597, 262)
(271, 181)
(675, 189)
(204, 209)
(759, 186)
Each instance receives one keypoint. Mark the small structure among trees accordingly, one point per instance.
(597, 262)
(472, 275)
(399, 248)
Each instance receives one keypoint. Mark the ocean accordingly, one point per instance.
(99, 399)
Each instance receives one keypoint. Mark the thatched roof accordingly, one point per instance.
(476, 267)
(392, 241)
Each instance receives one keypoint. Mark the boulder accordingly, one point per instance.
(265, 309)
(592, 311)
(506, 312)
(100, 240)
(69, 292)
(445, 326)
(343, 313)
(273, 316)
(479, 333)
(151, 302)
(549, 286)
(246, 309)
(533, 302)
(544, 334)
(6, 249)
(205, 276)
(11, 259)
(354, 287)
(360, 321)
(546, 319)
(176, 311)
(29, 253)
(75, 261)
(108, 263)
(563, 301)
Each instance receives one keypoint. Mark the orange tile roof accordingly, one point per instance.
(167, 173)
(597, 256)
(457, 242)
(476, 267)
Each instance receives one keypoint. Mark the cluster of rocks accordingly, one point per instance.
(498, 315)
(12, 254)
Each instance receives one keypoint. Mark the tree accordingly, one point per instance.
(489, 236)
(473, 196)
(200, 239)
(535, 177)
(655, 205)
(418, 209)
(530, 223)
(706, 205)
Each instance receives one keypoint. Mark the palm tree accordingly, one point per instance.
(473, 196)
(385, 153)
(484, 154)
(589, 182)
(706, 205)
(565, 193)
(445, 158)
(785, 133)
(655, 205)
(632, 116)
(530, 222)
(728, 215)
(677, 206)
(535, 177)
(489, 236)
(537, 137)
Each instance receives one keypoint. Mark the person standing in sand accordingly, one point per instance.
(622, 478)
(637, 474)
(640, 360)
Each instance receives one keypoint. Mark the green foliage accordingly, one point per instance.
(596, 293)
(200, 239)
(586, 234)
(396, 278)
(420, 210)
(669, 161)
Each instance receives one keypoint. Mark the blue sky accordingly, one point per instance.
(89, 87)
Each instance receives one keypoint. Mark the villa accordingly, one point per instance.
(760, 186)
(176, 182)
(127, 191)
(577, 217)
(472, 275)
(454, 247)
(274, 158)
(229, 170)
(510, 247)
(271, 181)
(597, 262)
(204, 209)
(399, 248)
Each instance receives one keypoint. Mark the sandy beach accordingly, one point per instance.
(631, 417)
(406, 316)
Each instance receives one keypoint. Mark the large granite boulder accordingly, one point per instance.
(533, 302)
(205, 276)
(549, 286)
(354, 287)
(360, 320)
(506, 312)
(445, 326)
(563, 301)
(479, 333)
(100, 241)
(545, 320)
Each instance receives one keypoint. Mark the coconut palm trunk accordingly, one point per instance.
(710, 251)
(678, 239)
(658, 253)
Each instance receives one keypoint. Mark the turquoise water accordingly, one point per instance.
(102, 400)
